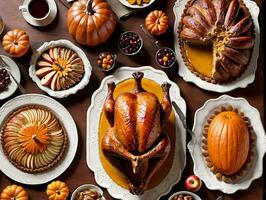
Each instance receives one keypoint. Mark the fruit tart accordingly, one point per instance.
(59, 68)
(226, 28)
(33, 139)
(228, 143)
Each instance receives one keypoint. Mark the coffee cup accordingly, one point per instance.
(39, 12)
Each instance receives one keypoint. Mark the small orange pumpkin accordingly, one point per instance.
(156, 22)
(228, 142)
(16, 43)
(14, 192)
(91, 22)
(57, 190)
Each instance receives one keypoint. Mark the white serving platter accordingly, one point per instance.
(194, 146)
(64, 117)
(72, 90)
(244, 80)
(93, 156)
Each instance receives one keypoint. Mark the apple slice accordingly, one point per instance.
(46, 80)
(54, 82)
(43, 71)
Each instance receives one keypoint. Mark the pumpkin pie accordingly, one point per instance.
(33, 139)
(59, 68)
(228, 143)
(225, 27)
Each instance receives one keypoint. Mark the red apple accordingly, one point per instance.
(193, 183)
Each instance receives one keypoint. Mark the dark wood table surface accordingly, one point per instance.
(78, 173)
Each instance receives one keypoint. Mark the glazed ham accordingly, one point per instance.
(135, 143)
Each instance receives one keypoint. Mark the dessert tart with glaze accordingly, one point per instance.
(228, 144)
(216, 38)
(59, 68)
(33, 139)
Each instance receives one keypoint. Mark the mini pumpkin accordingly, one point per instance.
(16, 42)
(228, 142)
(57, 190)
(14, 192)
(91, 22)
(156, 22)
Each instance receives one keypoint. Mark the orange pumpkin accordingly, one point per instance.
(228, 142)
(156, 22)
(57, 190)
(16, 43)
(91, 22)
(14, 192)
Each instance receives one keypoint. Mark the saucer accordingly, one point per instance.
(41, 22)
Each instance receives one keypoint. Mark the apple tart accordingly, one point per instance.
(228, 143)
(226, 27)
(60, 68)
(33, 139)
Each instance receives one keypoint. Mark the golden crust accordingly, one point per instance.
(183, 50)
(221, 177)
(48, 165)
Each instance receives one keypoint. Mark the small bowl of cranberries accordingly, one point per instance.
(165, 57)
(130, 43)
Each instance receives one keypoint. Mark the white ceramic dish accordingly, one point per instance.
(93, 116)
(246, 78)
(72, 90)
(14, 69)
(87, 186)
(144, 5)
(194, 146)
(64, 116)
(195, 197)
(48, 19)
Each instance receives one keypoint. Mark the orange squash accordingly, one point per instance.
(91, 22)
(228, 142)
(57, 190)
(16, 43)
(14, 192)
(156, 22)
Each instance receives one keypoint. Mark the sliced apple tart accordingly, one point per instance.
(33, 139)
(227, 28)
(60, 68)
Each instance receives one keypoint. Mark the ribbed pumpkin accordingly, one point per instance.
(14, 192)
(228, 142)
(57, 190)
(156, 22)
(91, 22)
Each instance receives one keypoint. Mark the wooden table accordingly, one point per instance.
(78, 173)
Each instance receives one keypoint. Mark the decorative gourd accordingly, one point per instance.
(14, 192)
(91, 22)
(156, 22)
(228, 142)
(16, 43)
(57, 190)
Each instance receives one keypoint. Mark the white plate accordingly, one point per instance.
(195, 197)
(143, 5)
(246, 78)
(93, 116)
(14, 69)
(72, 90)
(64, 116)
(194, 146)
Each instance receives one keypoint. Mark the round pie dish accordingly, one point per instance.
(78, 58)
(254, 164)
(87, 187)
(193, 195)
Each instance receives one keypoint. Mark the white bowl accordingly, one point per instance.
(195, 197)
(72, 90)
(87, 186)
(143, 5)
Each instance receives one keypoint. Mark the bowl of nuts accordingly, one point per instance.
(184, 195)
(87, 192)
(165, 57)
(130, 43)
(106, 61)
